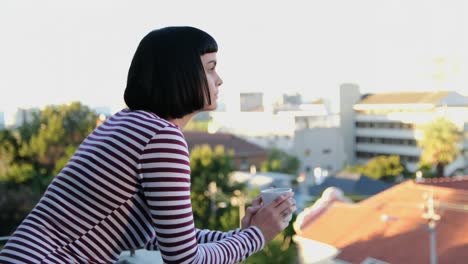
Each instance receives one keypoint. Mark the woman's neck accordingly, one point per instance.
(181, 122)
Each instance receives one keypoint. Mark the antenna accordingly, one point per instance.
(432, 219)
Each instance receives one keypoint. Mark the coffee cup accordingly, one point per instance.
(269, 195)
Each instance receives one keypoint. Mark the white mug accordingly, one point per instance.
(269, 195)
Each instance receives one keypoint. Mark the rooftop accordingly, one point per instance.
(405, 98)
(393, 220)
(240, 146)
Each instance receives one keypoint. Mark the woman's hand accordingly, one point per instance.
(271, 219)
(251, 211)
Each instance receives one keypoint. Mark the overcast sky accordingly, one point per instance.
(55, 51)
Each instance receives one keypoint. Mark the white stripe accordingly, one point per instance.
(111, 177)
(142, 120)
(168, 203)
(156, 146)
(98, 140)
(89, 251)
(16, 253)
(118, 122)
(111, 240)
(46, 229)
(56, 260)
(172, 212)
(166, 184)
(98, 187)
(77, 251)
(118, 129)
(164, 155)
(40, 243)
(130, 226)
(78, 201)
(115, 232)
(33, 236)
(31, 251)
(9, 259)
(184, 254)
(122, 229)
(174, 165)
(111, 157)
(63, 240)
(106, 148)
(161, 123)
(165, 174)
(172, 240)
(14, 240)
(166, 193)
(63, 211)
(82, 196)
(173, 230)
(75, 230)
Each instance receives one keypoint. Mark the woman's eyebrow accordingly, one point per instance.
(212, 61)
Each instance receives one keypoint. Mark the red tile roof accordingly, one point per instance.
(359, 231)
(240, 146)
(456, 182)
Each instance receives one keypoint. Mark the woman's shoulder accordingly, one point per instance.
(145, 119)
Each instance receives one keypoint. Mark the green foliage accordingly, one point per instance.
(440, 144)
(212, 166)
(15, 204)
(279, 161)
(31, 155)
(426, 170)
(280, 250)
(36, 151)
(380, 168)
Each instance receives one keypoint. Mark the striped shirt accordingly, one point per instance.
(127, 186)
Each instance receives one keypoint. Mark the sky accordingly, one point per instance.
(56, 51)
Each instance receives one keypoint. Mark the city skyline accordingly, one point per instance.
(58, 52)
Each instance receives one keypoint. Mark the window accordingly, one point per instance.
(326, 151)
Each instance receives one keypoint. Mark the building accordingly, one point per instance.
(273, 129)
(349, 95)
(22, 116)
(391, 124)
(246, 154)
(251, 102)
(2, 120)
(319, 147)
(392, 226)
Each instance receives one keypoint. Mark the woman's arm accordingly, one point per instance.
(165, 178)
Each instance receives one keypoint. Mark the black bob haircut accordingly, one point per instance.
(166, 75)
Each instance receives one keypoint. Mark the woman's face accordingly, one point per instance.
(212, 77)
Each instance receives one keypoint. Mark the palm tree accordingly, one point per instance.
(440, 144)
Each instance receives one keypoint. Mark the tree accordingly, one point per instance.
(31, 155)
(440, 144)
(380, 168)
(210, 187)
(279, 161)
(46, 143)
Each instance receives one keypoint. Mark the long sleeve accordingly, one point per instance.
(202, 235)
(165, 178)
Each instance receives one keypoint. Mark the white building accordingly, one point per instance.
(391, 124)
(269, 129)
(2, 120)
(20, 117)
(320, 147)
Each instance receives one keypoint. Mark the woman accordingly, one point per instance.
(128, 184)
